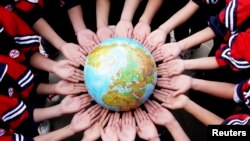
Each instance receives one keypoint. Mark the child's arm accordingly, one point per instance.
(202, 114)
(65, 69)
(62, 87)
(68, 105)
(124, 28)
(158, 36)
(102, 19)
(162, 116)
(81, 121)
(171, 51)
(142, 28)
(218, 89)
(86, 38)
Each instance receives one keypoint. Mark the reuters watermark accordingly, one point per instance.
(215, 132)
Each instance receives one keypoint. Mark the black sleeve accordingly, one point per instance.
(218, 28)
(71, 3)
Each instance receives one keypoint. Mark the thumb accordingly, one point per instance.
(101, 129)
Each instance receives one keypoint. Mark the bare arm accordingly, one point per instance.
(201, 63)
(76, 18)
(41, 114)
(218, 89)
(180, 17)
(46, 65)
(129, 9)
(202, 114)
(150, 10)
(176, 131)
(102, 12)
(56, 135)
(45, 30)
(197, 38)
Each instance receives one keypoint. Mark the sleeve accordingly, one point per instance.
(13, 137)
(29, 10)
(22, 77)
(235, 53)
(242, 92)
(71, 3)
(206, 2)
(13, 112)
(238, 119)
(20, 32)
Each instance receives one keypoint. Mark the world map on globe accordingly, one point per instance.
(120, 74)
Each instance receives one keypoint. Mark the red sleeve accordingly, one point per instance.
(242, 92)
(22, 77)
(25, 39)
(238, 119)
(236, 53)
(30, 10)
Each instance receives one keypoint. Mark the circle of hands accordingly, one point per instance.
(98, 122)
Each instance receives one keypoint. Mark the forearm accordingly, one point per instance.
(150, 10)
(76, 18)
(46, 31)
(102, 13)
(202, 114)
(41, 114)
(218, 89)
(197, 38)
(56, 135)
(45, 89)
(176, 131)
(180, 17)
(40, 62)
(129, 9)
(205, 63)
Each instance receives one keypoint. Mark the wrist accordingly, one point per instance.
(84, 139)
(165, 30)
(194, 84)
(59, 110)
(145, 20)
(156, 138)
(80, 29)
(171, 125)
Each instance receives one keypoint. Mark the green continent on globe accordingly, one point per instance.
(128, 72)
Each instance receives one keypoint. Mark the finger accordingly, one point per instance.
(141, 114)
(152, 105)
(145, 116)
(157, 105)
(111, 119)
(160, 97)
(123, 122)
(97, 41)
(130, 30)
(106, 120)
(149, 108)
(101, 130)
(137, 119)
(73, 64)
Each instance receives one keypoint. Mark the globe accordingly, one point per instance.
(120, 74)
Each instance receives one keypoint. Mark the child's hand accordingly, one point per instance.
(82, 120)
(64, 87)
(158, 114)
(110, 132)
(74, 53)
(128, 128)
(105, 33)
(124, 29)
(171, 68)
(147, 129)
(141, 31)
(180, 84)
(93, 132)
(176, 102)
(162, 94)
(87, 39)
(67, 70)
(155, 39)
(167, 52)
(72, 104)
